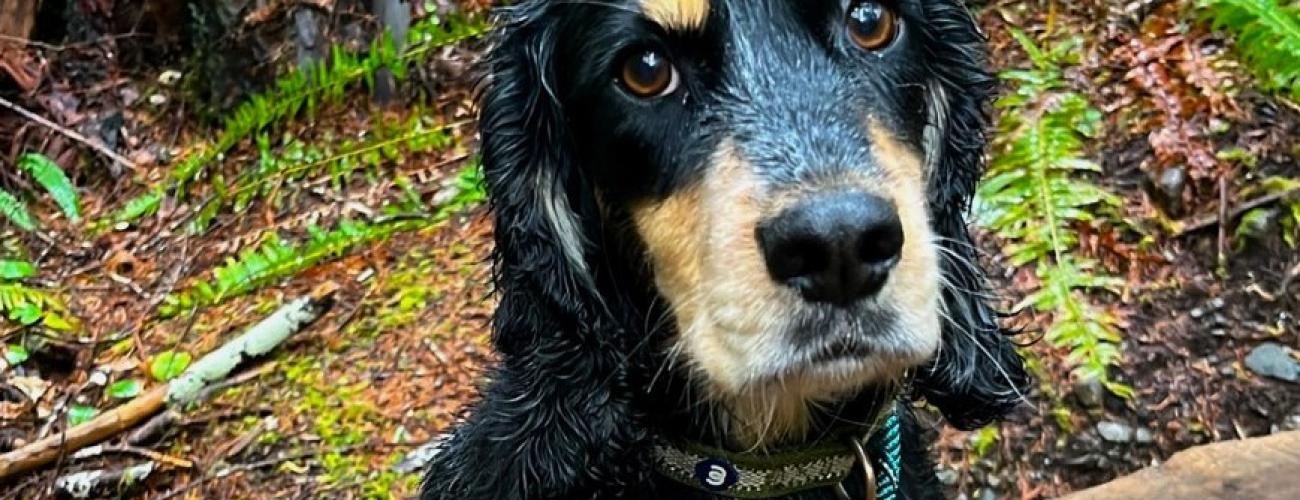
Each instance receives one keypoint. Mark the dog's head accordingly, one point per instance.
(792, 174)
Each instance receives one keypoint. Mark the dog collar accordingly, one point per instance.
(767, 475)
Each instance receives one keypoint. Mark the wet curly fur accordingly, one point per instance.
(586, 379)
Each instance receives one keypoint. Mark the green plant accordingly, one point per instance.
(303, 91)
(1267, 36)
(15, 211)
(296, 160)
(29, 306)
(51, 177)
(1255, 222)
(1035, 196)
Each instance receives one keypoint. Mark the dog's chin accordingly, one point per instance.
(820, 354)
(830, 355)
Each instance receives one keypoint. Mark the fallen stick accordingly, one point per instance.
(71, 134)
(258, 340)
(103, 483)
(1184, 229)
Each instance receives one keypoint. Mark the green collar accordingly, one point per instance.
(749, 475)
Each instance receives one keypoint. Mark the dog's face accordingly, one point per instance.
(791, 173)
(771, 156)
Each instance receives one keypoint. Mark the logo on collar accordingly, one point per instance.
(715, 474)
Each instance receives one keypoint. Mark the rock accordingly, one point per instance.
(1220, 320)
(1167, 190)
(1217, 303)
(987, 494)
(1273, 360)
(947, 476)
(1219, 332)
(1197, 313)
(1090, 392)
(1115, 432)
(1144, 436)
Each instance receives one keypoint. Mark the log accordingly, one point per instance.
(1265, 468)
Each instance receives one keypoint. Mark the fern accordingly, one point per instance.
(15, 211)
(51, 177)
(297, 160)
(1033, 197)
(306, 91)
(276, 259)
(1267, 38)
(30, 306)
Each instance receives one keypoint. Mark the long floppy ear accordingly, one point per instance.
(556, 420)
(977, 376)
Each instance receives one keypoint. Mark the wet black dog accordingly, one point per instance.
(731, 247)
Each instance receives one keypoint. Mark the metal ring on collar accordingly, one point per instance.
(868, 473)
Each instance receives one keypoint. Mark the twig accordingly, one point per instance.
(1287, 280)
(71, 134)
(212, 368)
(1223, 224)
(1210, 221)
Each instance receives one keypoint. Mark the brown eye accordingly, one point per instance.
(648, 73)
(871, 25)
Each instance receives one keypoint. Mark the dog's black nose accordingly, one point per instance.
(836, 248)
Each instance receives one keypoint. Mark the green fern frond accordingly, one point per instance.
(276, 259)
(15, 211)
(51, 177)
(1035, 195)
(1267, 36)
(304, 91)
(30, 306)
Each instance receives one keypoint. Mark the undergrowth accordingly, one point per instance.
(19, 302)
(276, 259)
(297, 93)
(1036, 195)
(1267, 36)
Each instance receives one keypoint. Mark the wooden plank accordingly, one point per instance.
(1264, 468)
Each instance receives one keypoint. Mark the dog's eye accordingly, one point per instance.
(648, 73)
(871, 25)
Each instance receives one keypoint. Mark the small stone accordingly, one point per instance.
(169, 77)
(1144, 436)
(1220, 320)
(1090, 392)
(157, 99)
(1217, 303)
(1273, 360)
(947, 476)
(1219, 332)
(1115, 432)
(1197, 313)
(1227, 370)
(1167, 190)
(988, 494)
(993, 481)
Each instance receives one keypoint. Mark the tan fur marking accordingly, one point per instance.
(677, 14)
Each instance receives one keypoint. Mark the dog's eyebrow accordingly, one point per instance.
(677, 14)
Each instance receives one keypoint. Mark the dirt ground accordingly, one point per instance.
(339, 410)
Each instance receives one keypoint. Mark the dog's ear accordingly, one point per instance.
(977, 376)
(556, 417)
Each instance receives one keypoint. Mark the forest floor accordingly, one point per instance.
(341, 192)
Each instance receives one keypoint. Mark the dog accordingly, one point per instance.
(731, 251)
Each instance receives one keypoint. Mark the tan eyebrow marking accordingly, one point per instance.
(677, 14)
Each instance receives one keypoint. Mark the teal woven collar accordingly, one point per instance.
(762, 475)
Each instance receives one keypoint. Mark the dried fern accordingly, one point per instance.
(1267, 37)
(1034, 197)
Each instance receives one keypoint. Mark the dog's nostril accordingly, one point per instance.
(836, 249)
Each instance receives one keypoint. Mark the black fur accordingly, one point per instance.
(571, 409)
